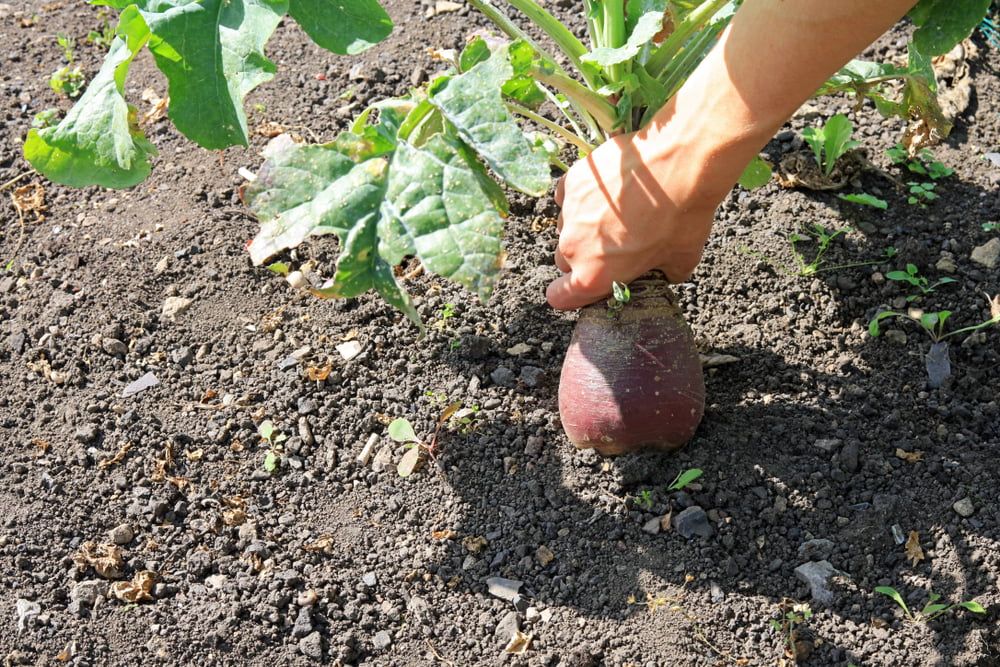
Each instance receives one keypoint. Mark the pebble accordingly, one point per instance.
(349, 350)
(947, 263)
(505, 589)
(306, 405)
(691, 522)
(311, 646)
(122, 534)
(382, 640)
(534, 445)
(519, 349)
(369, 579)
(817, 549)
(964, 507)
(828, 445)
(817, 575)
(303, 623)
(652, 526)
(87, 592)
(988, 254)
(175, 306)
(297, 280)
(848, 457)
(503, 376)
(142, 384)
(508, 626)
(114, 347)
(531, 375)
(896, 336)
(87, 434)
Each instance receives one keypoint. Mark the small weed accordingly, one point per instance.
(789, 625)
(921, 193)
(684, 478)
(68, 46)
(912, 276)
(823, 238)
(454, 344)
(934, 323)
(924, 163)
(44, 119)
(645, 499)
(401, 431)
(932, 609)
(830, 142)
(446, 313)
(273, 439)
(620, 295)
(259, 108)
(105, 33)
(865, 199)
(69, 81)
(991, 226)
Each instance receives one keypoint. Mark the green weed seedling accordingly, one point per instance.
(830, 142)
(924, 163)
(69, 79)
(401, 431)
(789, 626)
(921, 193)
(865, 199)
(46, 118)
(644, 499)
(273, 439)
(912, 276)
(684, 478)
(620, 295)
(991, 226)
(932, 609)
(105, 34)
(803, 269)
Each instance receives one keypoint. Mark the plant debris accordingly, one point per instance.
(137, 590)
(30, 198)
(909, 457)
(518, 644)
(914, 553)
(106, 559)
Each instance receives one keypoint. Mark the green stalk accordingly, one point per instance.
(559, 34)
(594, 27)
(553, 127)
(681, 68)
(595, 105)
(672, 45)
(614, 33)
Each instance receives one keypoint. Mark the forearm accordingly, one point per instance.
(773, 56)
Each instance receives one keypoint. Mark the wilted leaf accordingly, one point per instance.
(914, 553)
(319, 374)
(447, 534)
(474, 543)
(410, 462)
(518, 644)
(449, 411)
(193, 455)
(909, 457)
(137, 590)
(106, 559)
(323, 544)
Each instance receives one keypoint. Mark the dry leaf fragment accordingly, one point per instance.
(209, 395)
(446, 534)
(322, 545)
(66, 654)
(544, 555)
(518, 643)
(474, 543)
(315, 374)
(106, 559)
(42, 445)
(909, 457)
(994, 306)
(137, 590)
(410, 462)
(117, 458)
(193, 455)
(270, 129)
(914, 553)
(157, 106)
(30, 198)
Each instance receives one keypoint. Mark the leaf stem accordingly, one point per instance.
(614, 33)
(554, 127)
(665, 53)
(595, 105)
(560, 34)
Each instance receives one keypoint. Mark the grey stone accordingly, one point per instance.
(828, 445)
(505, 589)
(817, 549)
(114, 347)
(311, 646)
(519, 349)
(174, 306)
(947, 263)
(848, 457)
(121, 534)
(507, 626)
(369, 579)
(86, 592)
(307, 406)
(182, 356)
(16, 341)
(964, 507)
(652, 526)
(382, 640)
(533, 447)
(87, 434)
(521, 603)
(691, 522)
(142, 384)
(988, 254)
(303, 623)
(817, 575)
(503, 376)
(896, 336)
(531, 375)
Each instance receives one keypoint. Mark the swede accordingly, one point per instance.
(632, 377)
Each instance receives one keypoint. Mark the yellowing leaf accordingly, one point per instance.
(137, 590)
(518, 643)
(909, 457)
(914, 553)
(410, 462)
(319, 374)
(446, 534)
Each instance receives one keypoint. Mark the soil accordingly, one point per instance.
(329, 559)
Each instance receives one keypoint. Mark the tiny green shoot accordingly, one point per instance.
(273, 438)
(921, 193)
(932, 609)
(790, 623)
(684, 478)
(644, 499)
(912, 277)
(620, 295)
(105, 33)
(933, 324)
(44, 119)
(865, 199)
(924, 163)
(991, 226)
(281, 268)
(830, 142)
(68, 80)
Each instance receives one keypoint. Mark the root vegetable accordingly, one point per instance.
(632, 378)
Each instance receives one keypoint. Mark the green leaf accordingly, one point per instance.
(266, 429)
(99, 141)
(400, 430)
(475, 52)
(646, 27)
(212, 52)
(347, 27)
(973, 606)
(281, 268)
(756, 175)
(270, 461)
(941, 24)
(865, 199)
(900, 275)
(472, 102)
(873, 326)
(893, 594)
(685, 478)
(836, 140)
(933, 609)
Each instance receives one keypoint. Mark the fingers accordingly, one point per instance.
(571, 291)
(560, 193)
(561, 262)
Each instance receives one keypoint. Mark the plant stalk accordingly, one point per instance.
(566, 134)
(560, 34)
(670, 47)
(595, 105)
(614, 33)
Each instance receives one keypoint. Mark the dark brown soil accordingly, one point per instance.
(799, 441)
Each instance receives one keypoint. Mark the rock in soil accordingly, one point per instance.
(964, 507)
(311, 646)
(693, 522)
(817, 576)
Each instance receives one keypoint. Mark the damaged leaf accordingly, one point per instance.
(914, 553)
(410, 462)
(909, 457)
(518, 644)
(106, 559)
(137, 590)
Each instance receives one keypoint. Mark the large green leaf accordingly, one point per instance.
(342, 26)
(941, 24)
(473, 103)
(98, 142)
(646, 27)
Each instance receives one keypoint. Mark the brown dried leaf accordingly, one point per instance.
(209, 395)
(544, 555)
(446, 534)
(236, 446)
(914, 553)
(474, 543)
(137, 590)
(117, 458)
(270, 129)
(518, 644)
(410, 462)
(67, 653)
(42, 445)
(449, 411)
(30, 198)
(234, 517)
(909, 457)
(158, 107)
(315, 374)
(193, 455)
(106, 559)
(321, 545)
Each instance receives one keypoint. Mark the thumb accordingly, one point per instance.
(568, 292)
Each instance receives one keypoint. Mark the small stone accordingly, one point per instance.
(303, 623)
(505, 589)
(507, 626)
(297, 280)
(162, 265)
(817, 549)
(716, 593)
(142, 384)
(311, 646)
(531, 375)
(848, 457)
(947, 263)
(122, 534)
(382, 640)
(305, 432)
(520, 603)
(349, 350)
(988, 254)
(114, 347)
(182, 356)
(691, 522)
(87, 592)
(87, 434)
(817, 575)
(503, 376)
(519, 349)
(652, 526)
(828, 445)
(896, 336)
(383, 459)
(964, 507)
(174, 306)
(16, 341)
(534, 445)
(306, 405)
(369, 579)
